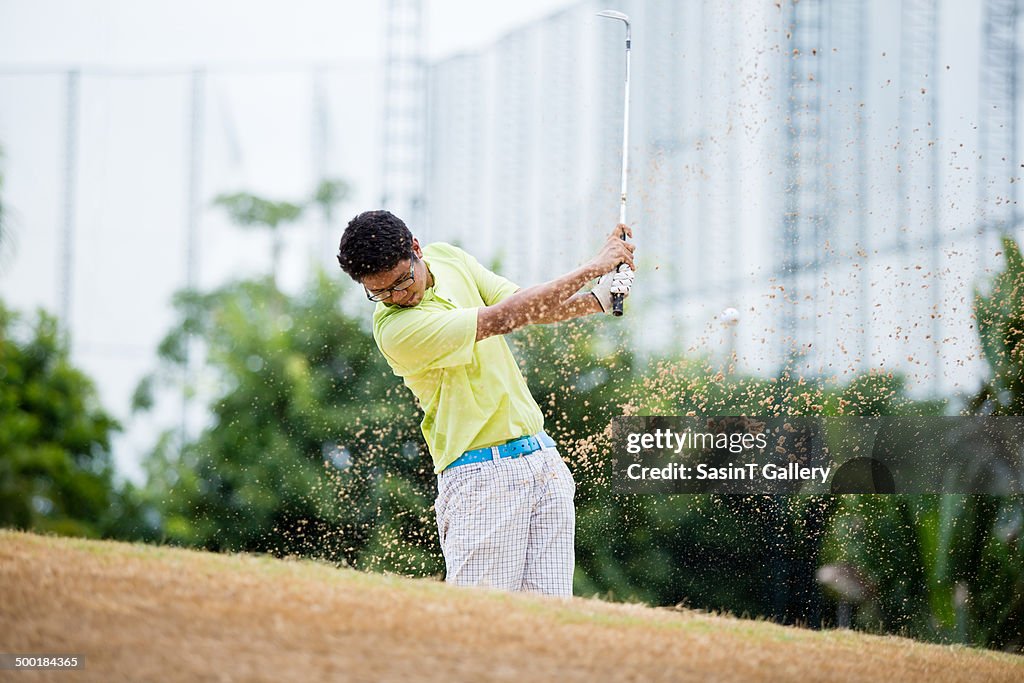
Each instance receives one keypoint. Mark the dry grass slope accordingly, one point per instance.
(144, 613)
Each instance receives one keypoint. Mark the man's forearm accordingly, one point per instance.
(545, 303)
(576, 306)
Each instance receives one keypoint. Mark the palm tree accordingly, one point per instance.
(1000, 316)
(248, 210)
(328, 194)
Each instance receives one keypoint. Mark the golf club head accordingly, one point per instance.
(612, 14)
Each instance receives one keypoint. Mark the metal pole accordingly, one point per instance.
(321, 140)
(67, 251)
(194, 207)
(195, 171)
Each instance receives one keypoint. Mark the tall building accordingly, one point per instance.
(816, 165)
(512, 160)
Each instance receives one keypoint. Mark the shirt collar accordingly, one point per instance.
(428, 293)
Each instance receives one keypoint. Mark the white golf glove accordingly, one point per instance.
(615, 282)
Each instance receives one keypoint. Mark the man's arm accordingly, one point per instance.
(559, 299)
(576, 306)
(546, 303)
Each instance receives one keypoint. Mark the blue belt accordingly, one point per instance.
(510, 449)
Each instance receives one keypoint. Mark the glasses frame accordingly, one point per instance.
(400, 286)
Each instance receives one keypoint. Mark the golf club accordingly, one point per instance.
(612, 14)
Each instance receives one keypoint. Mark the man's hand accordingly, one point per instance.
(561, 299)
(615, 250)
(616, 282)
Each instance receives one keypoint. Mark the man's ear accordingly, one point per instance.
(416, 248)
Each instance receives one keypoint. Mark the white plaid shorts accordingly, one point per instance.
(509, 523)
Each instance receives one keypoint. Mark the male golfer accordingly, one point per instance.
(504, 504)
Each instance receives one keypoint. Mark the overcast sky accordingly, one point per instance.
(131, 165)
(146, 33)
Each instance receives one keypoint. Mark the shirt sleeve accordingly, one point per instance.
(492, 287)
(417, 341)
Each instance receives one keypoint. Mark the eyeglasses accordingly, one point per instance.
(404, 283)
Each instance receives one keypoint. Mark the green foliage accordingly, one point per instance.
(55, 464)
(250, 210)
(948, 568)
(306, 421)
(1000, 317)
(672, 549)
(404, 539)
(328, 194)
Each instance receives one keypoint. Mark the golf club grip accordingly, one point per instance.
(617, 299)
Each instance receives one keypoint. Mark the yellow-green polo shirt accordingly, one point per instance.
(472, 393)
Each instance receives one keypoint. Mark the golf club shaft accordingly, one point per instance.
(618, 298)
(625, 146)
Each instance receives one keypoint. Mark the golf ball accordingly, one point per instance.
(729, 317)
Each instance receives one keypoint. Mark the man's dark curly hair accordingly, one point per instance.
(373, 242)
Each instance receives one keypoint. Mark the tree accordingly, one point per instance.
(671, 549)
(248, 210)
(328, 194)
(947, 567)
(311, 441)
(55, 470)
(1000, 318)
